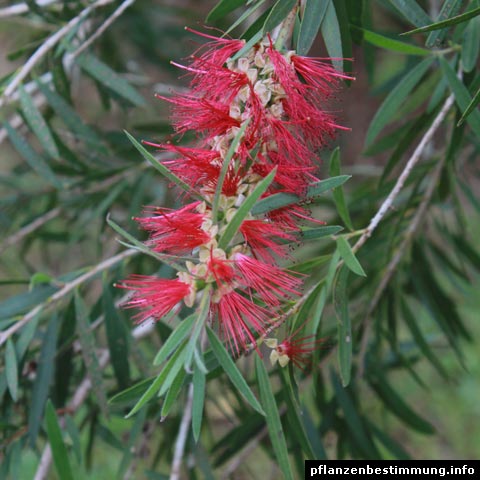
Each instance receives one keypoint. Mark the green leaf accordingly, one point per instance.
(175, 339)
(395, 99)
(71, 119)
(175, 359)
(225, 165)
(43, 379)
(412, 12)
(117, 338)
(446, 23)
(133, 393)
(248, 14)
(462, 96)
(232, 371)
(32, 157)
(109, 78)
(390, 44)
(349, 257)
(470, 108)
(59, 451)
(279, 12)
(198, 401)
(338, 196)
(340, 299)
(11, 369)
(449, 8)
(37, 123)
(244, 209)
(173, 393)
(471, 44)
(332, 36)
(160, 166)
(328, 184)
(223, 8)
(248, 46)
(354, 420)
(312, 18)
(294, 414)
(87, 341)
(74, 434)
(272, 415)
(397, 405)
(320, 232)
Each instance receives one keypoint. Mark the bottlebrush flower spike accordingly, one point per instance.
(271, 104)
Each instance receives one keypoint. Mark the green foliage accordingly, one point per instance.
(78, 375)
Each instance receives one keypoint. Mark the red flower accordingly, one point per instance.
(154, 296)
(175, 231)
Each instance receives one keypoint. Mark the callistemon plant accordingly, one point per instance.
(259, 117)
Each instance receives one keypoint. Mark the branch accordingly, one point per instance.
(6, 334)
(46, 47)
(182, 436)
(417, 154)
(20, 8)
(104, 26)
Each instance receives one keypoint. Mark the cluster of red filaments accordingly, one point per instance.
(269, 103)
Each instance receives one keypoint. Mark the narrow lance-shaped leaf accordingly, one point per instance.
(232, 371)
(37, 123)
(395, 99)
(349, 257)
(272, 415)
(312, 18)
(111, 79)
(449, 9)
(446, 23)
(332, 36)
(471, 43)
(412, 11)
(59, 450)
(222, 8)
(278, 13)
(198, 401)
(11, 369)
(173, 392)
(471, 107)
(344, 326)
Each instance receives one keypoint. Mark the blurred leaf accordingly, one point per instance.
(397, 406)
(247, 14)
(111, 79)
(471, 44)
(132, 394)
(244, 209)
(74, 434)
(320, 232)
(32, 157)
(198, 401)
(470, 108)
(11, 369)
(87, 341)
(37, 123)
(462, 96)
(412, 12)
(279, 12)
(232, 371)
(222, 8)
(390, 44)
(173, 392)
(345, 340)
(59, 451)
(332, 36)
(338, 195)
(390, 444)
(312, 18)
(274, 425)
(395, 99)
(117, 337)
(449, 9)
(43, 379)
(446, 23)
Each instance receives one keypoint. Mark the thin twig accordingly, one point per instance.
(46, 47)
(104, 26)
(20, 8)
(6, 334)
(417, 154)
(182, 436)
